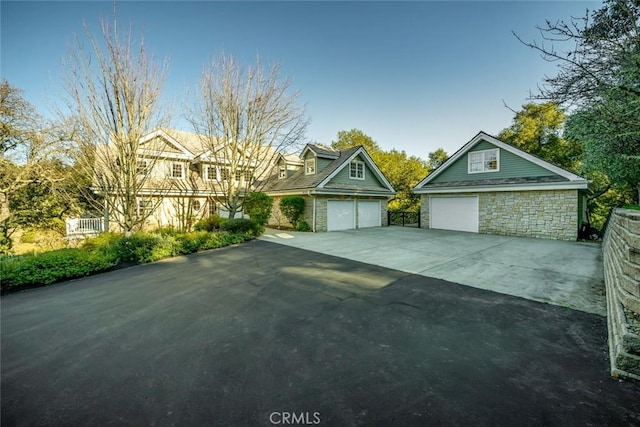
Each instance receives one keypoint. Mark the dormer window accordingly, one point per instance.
(356, 170)
(282, 172)
(484, 161)
(310, 166)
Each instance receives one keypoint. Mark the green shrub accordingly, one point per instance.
(292, 207)
(29, 237)
(239, 225)
(50, 267)
(208, 224)
(258, 206)
(303, 226)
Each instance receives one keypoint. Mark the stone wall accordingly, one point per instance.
(621, 253)
(551, 214)
(277, 218)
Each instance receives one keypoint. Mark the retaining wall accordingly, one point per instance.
(621, 253)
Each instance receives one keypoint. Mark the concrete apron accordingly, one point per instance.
(567, 274)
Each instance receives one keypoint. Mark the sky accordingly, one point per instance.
(415, 76)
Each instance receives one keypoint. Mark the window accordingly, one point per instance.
(224, 174)
(143, 209)
(282, 172)
(196, 205)
(238, 174)
(248, 176)
(177, 170)
(213, 210)
(210, 173)
(356, 170)
(142, 167)
(310, 166)
(484, 161)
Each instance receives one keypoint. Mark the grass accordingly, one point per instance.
(634, 207)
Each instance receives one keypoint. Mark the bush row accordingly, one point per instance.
(106, 251)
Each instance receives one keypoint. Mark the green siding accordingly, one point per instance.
(370, 180)
(322, 163)
(511, 166)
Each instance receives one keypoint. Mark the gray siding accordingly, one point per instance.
(511, 166)
(322, 163)
(370, 180)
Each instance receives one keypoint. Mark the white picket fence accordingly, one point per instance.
(84, 227)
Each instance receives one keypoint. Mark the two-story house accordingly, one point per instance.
(342, 189)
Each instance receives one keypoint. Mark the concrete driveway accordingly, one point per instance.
(567, 274)
(249, 335)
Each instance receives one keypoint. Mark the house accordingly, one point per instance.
(342, 189)
(491, 187)
(180, 180)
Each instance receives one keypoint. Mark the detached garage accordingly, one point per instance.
(343, 190)
(489, 186)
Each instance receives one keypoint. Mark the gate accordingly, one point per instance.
(403, 218)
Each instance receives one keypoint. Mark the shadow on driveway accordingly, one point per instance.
(231, 336)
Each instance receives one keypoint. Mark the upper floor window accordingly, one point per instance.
(484, 161)
(142, 168)
(309, 166)
(356, 170)
(282, 172)
(177, 170)
(210, 173)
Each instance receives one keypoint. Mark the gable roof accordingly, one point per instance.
(317, 183)
(562, 179)
(320, 151)
(183, 151)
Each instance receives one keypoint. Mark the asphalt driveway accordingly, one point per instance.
(567, 274)
(248, 334)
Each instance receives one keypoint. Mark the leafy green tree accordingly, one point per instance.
(353, 138)
(292, 207)
(599, 75)
(537, 129)
(436, 158)
(258, 206)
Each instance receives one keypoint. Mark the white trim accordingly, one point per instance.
(171, 140)
(356, 163)
(182, 170)
(489, 188)
(493, 140)
(484, 162)
(368, 160)
(306, 166)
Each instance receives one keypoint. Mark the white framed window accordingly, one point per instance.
(211, 207)
(248, 176)
(176, 170)
(356, 170)
(224, 174)
(142, 167)
(238, 174)
(310, 166)
(282, 172)
(484, 161)
(143, 208)
(196, 205)
(210, 173)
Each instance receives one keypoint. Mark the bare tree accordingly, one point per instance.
(244, 116)
(113, 93)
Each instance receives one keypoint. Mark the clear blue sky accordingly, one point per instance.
(413, 75)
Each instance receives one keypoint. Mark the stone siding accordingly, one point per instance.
(621, 253)
(277, 218)
(550, 214)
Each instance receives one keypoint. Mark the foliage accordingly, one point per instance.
(436, 158)
(402, 171)
(106, 251)
(258, 205)
(598, 76)
(634, 207)
(303, 226)
(537, 129)
(50, 267)
(242, 225)
(292, 207)
(210, 224)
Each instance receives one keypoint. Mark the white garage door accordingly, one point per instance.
(369, 213)
(341, 215)
(454, 213)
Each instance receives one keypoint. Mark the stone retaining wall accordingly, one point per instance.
(621, 253)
